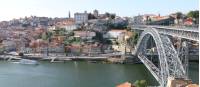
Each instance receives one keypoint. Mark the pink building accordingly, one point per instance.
(84, 34)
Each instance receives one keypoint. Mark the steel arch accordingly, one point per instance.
(170, 64)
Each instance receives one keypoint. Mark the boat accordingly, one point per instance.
(92, 61)
(28, 61)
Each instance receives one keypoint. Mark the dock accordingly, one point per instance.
(68, 58)
(61, 58)
(53, 58)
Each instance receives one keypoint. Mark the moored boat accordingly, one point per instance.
(28, 61)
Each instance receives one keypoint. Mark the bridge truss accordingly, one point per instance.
(170, 65)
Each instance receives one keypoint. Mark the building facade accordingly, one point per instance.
(84, 34)
(81, 17)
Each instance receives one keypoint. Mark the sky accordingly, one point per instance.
(10, 9)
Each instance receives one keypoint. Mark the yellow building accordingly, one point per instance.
(121, 42)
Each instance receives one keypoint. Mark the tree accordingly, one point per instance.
(107, 41)
(136, 37)
(140, 83)
(195, 15)
(128, 28)
(112, 16)
(66, 42)
(179, 15)
(49, 34)
(98, 37)
(132, 41)
(44, 36)
(107, 14)
(56, 32)
(91, 16)
(2, 49)
(70, 33)
(62, 31)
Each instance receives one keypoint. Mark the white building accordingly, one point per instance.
(81, 17)
(71, 27)
(114, 33)
(51, 28)
(68, 27)
(142, 19)
(84, 34)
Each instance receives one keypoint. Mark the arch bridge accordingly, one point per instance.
(170, 65)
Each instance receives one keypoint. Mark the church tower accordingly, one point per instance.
(69, 15)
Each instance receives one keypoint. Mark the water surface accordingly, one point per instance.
(75, 74)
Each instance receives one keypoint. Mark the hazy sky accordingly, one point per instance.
(10, 9)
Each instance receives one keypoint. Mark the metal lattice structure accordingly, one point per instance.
(183, 55)
(170, 63)
(181, 32)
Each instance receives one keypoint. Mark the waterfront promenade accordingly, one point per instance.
(55, 57)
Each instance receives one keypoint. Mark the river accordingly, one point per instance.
(76, 74)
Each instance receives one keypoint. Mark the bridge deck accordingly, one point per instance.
(151, 67)
(182, 32)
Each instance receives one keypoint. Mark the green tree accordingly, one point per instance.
(107, 41)
(107, 14)
(71, 40)
(2, 49)
(140, 83)
(98, 37)
(61, 31)
(195, 15)
(66, 42)
(56, 32)
(179, 15)
(112, 16)
(90, 16)
(132, 41)
(69, 33)
(136, 37)
(44, 36)
(128, 28)
(49, 34)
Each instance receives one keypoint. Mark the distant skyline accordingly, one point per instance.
(59, 8)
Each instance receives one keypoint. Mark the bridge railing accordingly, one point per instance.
(182, 32)
(182, 28)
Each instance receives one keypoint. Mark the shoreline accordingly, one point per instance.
(92, 59)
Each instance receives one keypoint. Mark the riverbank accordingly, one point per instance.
(105, 59)
(119, 59)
